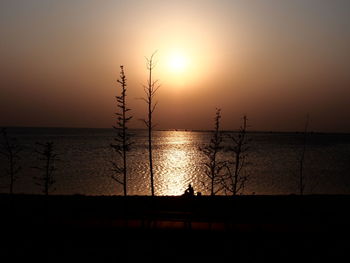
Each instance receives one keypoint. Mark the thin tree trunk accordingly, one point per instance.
(150, 146)
(301, 175)
(238, 152)
(12, 174)
(150, 161)
(212, 181)
(236, 173)
(213, 174)
(150, 129)
(124, 170)
(124, 146)
(47, 176)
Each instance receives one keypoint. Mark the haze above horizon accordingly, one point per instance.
(275, 61)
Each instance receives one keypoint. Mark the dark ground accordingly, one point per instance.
(175, 229)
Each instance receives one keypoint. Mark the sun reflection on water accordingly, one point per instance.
(175, 157)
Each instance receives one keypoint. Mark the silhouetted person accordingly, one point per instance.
(189, 191)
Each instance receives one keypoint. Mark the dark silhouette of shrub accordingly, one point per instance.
(10, 149)
(234, 181)
(122, 141)
(47, 157)
(213, 167)
(302, 158)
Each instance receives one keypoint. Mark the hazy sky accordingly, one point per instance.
(275, 61)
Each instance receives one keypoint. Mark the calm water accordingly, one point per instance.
(85, 155)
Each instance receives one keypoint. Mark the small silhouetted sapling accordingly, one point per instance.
(150, 90)
(302, 157)
(10, 149)
(213, 166)
(122, 140)
(235, 180)
(48, 157)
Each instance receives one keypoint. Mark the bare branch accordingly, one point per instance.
(150, 91)
(212, 166)
(235, 181)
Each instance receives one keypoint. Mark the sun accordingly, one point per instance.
(178, 67)
(177, 62)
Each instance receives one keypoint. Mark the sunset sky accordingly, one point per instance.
(275, 61)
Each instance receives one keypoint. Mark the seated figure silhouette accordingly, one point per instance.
(189, 191)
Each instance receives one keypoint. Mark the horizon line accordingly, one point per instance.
(172, 129)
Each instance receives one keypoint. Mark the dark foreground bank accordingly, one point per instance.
(167, 229)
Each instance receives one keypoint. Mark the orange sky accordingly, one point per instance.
(275, 61)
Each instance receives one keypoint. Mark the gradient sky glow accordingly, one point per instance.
(273, 60)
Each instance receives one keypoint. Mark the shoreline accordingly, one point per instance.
(252, 209)
(140, 228)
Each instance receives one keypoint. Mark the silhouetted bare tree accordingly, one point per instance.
(235, 180)
(302, 157)
(11, 150)
(48, 157)
(150, 90)
(213, 166)
(123, 138)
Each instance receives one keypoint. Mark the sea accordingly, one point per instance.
(272, 164)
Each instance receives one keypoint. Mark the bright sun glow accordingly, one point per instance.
(178, 62)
